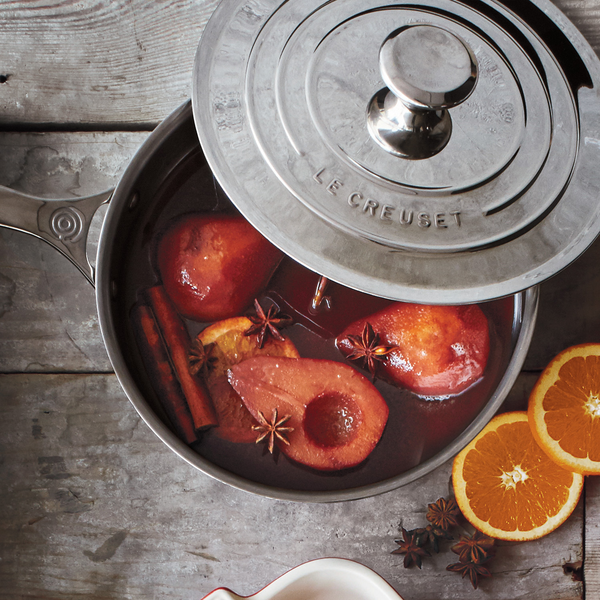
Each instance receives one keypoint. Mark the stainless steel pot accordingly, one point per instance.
(64, 225)
(272, 117)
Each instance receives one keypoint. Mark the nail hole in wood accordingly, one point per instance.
(575, 570)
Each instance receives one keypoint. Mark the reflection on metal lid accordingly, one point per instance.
(462, 178)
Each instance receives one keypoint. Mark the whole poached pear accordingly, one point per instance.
(212, 266)
(430, 350)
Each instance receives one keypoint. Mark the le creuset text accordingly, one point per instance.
(387, 212)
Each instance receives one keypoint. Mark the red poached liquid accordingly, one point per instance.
(417, 428)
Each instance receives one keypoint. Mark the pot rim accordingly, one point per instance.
(526, 304)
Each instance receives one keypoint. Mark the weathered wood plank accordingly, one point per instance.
(97, 61)
(585, 15)
(592, 537)
(48, 320)
(93, 505)
(103, 62)
(518, 396)
(47, 309)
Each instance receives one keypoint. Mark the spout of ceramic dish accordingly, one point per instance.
(224, 594)
(64, 224)
(321, 579)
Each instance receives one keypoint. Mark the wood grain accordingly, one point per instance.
(592, 537)
(95, 506)
(98, 63)
(568, 312)
(585, 15)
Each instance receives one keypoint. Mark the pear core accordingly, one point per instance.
(332, 419)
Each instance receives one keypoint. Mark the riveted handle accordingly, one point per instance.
(64, 224)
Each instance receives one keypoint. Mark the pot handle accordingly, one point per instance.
(64, 224)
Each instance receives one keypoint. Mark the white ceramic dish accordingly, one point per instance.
(321, 579)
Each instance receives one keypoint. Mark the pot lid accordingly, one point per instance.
(438, 151)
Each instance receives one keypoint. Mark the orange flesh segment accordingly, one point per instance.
(495, 473)
(507, 487)
(572, 407)
(564, 409)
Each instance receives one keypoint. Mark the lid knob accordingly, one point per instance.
(427, 70)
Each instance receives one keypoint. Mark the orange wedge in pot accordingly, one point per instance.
(229, 345)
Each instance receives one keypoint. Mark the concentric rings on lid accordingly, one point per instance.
(480, 193)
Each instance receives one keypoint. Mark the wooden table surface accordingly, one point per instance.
(92, 504)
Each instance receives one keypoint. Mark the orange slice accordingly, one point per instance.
(507, 487)
(231, 347)
(564, 409)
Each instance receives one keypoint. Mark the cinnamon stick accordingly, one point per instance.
(178, 343)
(161, 373)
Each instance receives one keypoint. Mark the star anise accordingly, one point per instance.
(475, 571)
(410, 547)
(433, 535)
(366, 347)
(272, 429)
(267, 323)
(200, 357)
(443, 514)
(475, 548)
